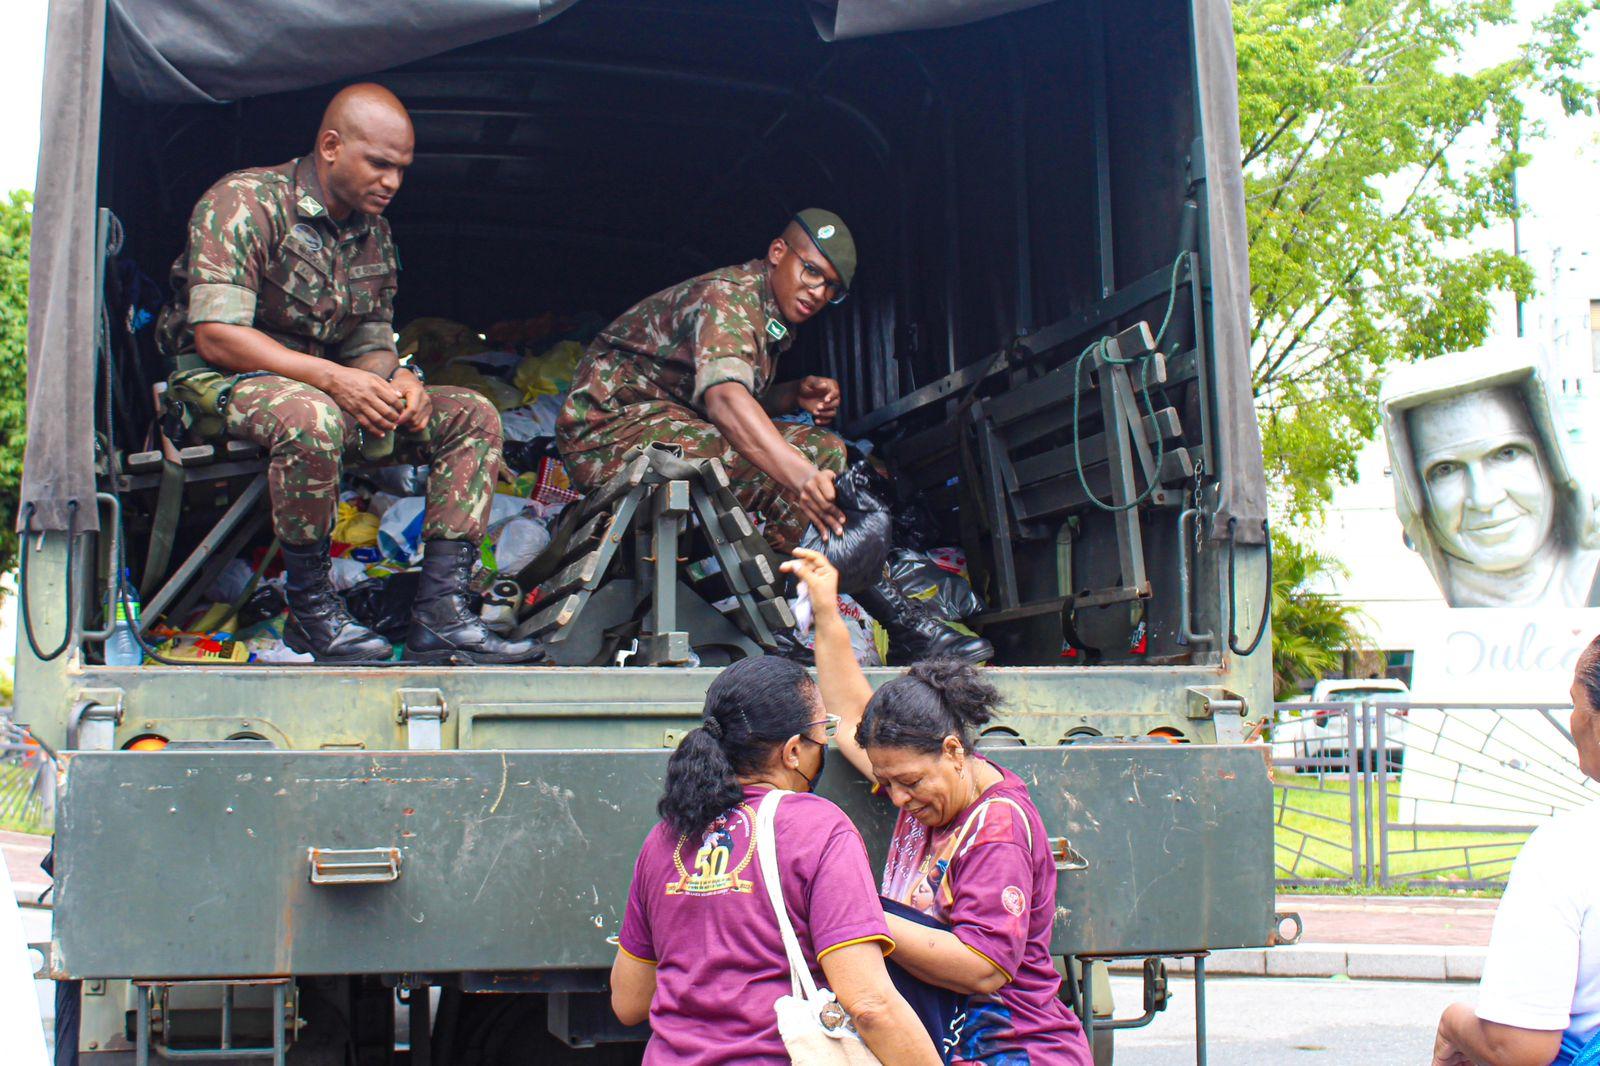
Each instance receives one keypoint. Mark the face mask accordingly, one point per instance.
(822, 762)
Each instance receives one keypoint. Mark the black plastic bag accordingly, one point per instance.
(947, 595)
(398, 479)
(861, 550)
(523, 456)
(384, 604)
(915, 525)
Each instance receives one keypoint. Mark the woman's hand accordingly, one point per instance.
(820, 578)
(845, 690)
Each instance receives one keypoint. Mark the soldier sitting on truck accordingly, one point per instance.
(695, 366)
(281, 328)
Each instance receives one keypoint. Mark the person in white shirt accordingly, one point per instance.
(21, 1030)
(1539, 1001)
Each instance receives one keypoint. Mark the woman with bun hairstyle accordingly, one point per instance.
(969, 858)
(700, 953)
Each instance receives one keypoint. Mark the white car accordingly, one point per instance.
(1314, 734)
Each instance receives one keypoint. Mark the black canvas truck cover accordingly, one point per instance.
(198, 51)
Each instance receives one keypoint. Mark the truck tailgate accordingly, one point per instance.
(258, 863)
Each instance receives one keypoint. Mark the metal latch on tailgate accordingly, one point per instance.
(354, 866)
(423, 713)
(1066, 856)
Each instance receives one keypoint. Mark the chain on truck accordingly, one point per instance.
(1047, 344)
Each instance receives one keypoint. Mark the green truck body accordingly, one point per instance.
(1029, 178)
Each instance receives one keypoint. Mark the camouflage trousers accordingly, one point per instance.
(665, 423)
(308, 438)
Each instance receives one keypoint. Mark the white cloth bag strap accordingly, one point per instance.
(800, 981)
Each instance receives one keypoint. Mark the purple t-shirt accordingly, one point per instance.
(989, 875)
(698, 911)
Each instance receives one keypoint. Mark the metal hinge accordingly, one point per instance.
(92, 724)
(423, 713)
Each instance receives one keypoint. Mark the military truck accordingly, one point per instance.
(1047, 340)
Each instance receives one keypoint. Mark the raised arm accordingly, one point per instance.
(845, 690)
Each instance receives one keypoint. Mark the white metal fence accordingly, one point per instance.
(1419, 794)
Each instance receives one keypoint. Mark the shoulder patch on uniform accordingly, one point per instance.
(309, 206)
(1013, 900)
(776, 330)
(307, 235)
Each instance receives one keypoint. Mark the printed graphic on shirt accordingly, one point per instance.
(917, 870)
(984, 1034)
(717, 868)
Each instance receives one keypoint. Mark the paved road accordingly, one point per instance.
(1275, 1021)
(1254, 1021)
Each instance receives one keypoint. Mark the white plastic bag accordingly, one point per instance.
(400, 530)
(521, 541)
(347, 572)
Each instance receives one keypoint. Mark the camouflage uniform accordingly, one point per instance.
(644, 380)
(263, 252)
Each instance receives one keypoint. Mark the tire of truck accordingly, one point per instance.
(1104, 1046)
(511, 1029)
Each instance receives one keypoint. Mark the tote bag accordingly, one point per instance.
(815, 1027)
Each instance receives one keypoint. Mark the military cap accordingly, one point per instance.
(832, 238)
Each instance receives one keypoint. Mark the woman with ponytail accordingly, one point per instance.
(700, 954)
(969, 885)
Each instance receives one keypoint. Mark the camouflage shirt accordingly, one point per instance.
(673, 346)
(263, 252)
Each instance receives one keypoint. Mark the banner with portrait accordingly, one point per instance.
(1496, 493)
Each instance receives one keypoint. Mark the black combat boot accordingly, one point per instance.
(915, 632)
(318, 621)
(443, 630)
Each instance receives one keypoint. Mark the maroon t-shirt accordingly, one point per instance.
(698, 911)
(990, 876)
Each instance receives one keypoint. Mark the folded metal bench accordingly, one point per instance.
(648, 512)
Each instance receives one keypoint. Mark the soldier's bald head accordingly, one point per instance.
(367, 111)
(364, 146)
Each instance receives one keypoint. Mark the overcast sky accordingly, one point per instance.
(21, 69)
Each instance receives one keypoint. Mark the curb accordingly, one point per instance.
(1395, 962)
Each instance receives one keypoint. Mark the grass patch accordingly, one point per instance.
(1313, 841)
(20, 808)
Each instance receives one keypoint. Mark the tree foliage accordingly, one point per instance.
(16, 227)
(1375, 165)
(1309, 628)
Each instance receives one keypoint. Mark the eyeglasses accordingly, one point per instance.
(830, 726)
(813, 278)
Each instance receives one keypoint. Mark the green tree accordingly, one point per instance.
(16, 226)
(1375, 163)
(1309, 627)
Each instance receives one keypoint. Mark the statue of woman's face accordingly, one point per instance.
(1489, 497)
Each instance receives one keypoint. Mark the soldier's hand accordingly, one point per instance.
(370, 400)
(419, 406)
(820, 396)
(816, 498)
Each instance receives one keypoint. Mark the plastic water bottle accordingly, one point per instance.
(122, 649)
